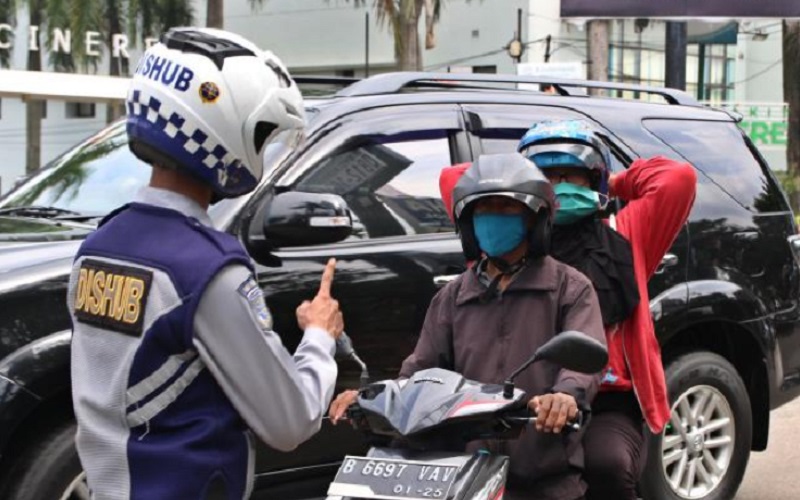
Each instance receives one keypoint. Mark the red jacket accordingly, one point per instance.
(659, 193)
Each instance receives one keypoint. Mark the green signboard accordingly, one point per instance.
(764, 122)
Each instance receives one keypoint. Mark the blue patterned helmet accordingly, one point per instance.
(569, 143)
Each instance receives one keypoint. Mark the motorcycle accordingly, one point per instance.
(420, 426)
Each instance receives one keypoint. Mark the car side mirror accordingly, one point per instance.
(296, 218)
(572, 350)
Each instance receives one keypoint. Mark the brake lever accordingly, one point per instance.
(356, 416)
(574, 425)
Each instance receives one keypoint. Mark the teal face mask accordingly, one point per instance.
(498, 234)
(574, 203)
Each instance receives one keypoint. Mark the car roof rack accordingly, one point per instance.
(325, 80)
(391, 83)
(323, 85)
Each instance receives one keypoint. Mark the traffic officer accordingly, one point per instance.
(174, 360)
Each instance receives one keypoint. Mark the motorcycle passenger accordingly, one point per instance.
(490, 319)
(174, 360)
(619, 258)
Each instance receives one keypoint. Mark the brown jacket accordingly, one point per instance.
(486, 341)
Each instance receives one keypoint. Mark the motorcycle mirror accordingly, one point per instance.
(572, 350)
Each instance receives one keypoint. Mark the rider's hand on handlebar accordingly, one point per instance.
(340, 405)
(553, 411)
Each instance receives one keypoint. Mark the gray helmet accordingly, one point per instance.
(513, 176)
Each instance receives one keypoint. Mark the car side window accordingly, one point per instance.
(498, 128)
(501, 127)
(390, 182)
(720, 151)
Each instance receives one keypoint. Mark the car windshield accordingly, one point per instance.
(93, 178)
(97, 176)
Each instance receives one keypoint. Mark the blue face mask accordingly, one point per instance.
(498, 234)
(574, 203)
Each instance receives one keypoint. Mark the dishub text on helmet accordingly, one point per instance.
(169, 73)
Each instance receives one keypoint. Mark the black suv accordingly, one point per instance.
(724, 300)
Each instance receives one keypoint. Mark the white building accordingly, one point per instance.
(329, 37)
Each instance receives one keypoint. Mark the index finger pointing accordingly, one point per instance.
(327, 279)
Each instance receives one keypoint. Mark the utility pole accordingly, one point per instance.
(675, 71)
(597, 40)
(215, 11)
(547, 40)
(515, 47)
(366, 44)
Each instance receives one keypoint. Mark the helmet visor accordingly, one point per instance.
(533, 202)
(565, 154)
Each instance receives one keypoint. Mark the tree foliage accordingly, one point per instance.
(138, 19)
(791, 94)
(403, 17)
(8, 13)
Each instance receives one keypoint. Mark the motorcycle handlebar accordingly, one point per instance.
(574, 425)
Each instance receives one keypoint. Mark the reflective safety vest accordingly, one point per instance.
(152, 421)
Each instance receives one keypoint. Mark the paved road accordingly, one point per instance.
(774, 474)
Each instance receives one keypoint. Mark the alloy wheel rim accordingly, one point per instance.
(697, 444)
(78, 489)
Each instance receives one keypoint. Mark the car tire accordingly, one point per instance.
(50, 468)
(706, 458)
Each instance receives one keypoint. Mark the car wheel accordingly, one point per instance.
(703, 451)
(50, 468)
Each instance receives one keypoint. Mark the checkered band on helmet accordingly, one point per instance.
(151, 120)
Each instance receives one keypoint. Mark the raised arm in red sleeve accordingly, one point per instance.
(660, 193)
(447, 181)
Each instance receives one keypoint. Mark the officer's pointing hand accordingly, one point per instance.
(322, 312)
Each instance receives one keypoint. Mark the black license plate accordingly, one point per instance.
(389, 479)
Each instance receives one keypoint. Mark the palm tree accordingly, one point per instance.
(142, 17)
(79, 16)
(34, 109)
(8, 12)
(214, 12)
(172, 13)
(403, 17)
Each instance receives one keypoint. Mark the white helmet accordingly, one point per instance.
(207, 102)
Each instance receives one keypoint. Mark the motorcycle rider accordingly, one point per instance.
(174, 359)
(619, 257)
(480, 324)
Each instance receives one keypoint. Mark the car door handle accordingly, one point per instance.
(746, 236)
(669, 260)
(443, 279)
(794, 244)
(794, 241)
